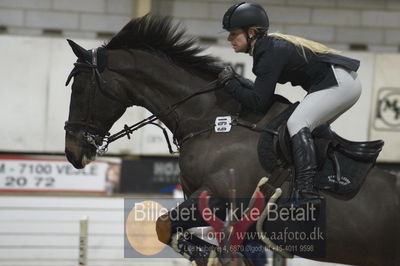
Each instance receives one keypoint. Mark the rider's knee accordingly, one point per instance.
(163, 228)
(295, 123)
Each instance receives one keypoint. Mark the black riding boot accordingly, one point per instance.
(193, 248)
(305, 163)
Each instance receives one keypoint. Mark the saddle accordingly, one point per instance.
(343, 165)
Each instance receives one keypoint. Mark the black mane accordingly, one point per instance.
(158, 35)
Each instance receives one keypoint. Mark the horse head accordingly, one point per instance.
(147, 64)
(98, 99)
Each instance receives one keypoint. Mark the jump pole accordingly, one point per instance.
(83, 240)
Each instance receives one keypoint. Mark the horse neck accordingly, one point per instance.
(162, 84)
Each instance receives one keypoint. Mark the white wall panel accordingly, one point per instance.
(24, 74)
(387, 77)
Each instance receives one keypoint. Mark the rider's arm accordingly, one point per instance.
(269, 62)
(259, 98)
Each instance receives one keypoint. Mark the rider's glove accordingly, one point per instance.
(225, 75)
(245, 82)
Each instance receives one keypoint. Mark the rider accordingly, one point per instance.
(330, 81)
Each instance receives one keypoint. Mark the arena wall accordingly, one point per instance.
(344, 24)
(45, 231)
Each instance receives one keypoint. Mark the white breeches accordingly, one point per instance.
(328, 104)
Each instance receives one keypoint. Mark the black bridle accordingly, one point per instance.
(99, 138)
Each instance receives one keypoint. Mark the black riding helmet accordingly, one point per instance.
(245, 15)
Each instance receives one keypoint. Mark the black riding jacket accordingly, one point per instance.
(280, 61)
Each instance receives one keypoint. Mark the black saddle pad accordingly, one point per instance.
(343, 165)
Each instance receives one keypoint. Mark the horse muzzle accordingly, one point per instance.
(78, 152)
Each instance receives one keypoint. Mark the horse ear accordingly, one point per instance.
(79, 51)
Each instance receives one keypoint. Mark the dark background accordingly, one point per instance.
(149, 175)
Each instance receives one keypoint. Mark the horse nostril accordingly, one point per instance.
(76, 162)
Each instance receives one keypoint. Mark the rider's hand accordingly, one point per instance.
(245, 82)
(225, 75)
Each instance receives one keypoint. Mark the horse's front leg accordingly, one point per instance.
(172, 228)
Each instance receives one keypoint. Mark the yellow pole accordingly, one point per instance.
(141, 7)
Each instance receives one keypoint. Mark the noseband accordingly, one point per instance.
(99, 138)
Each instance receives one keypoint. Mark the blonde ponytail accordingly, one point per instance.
(315, 47)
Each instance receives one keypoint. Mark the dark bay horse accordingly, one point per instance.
(149, 64)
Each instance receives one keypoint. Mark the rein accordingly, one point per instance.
(102, 139)
(128, 130)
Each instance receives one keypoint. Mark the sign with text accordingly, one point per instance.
(31, 174)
